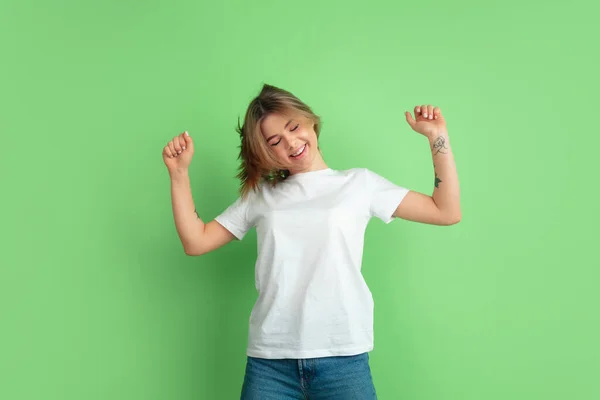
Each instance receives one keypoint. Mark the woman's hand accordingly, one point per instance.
(430, 122)
(178, 153)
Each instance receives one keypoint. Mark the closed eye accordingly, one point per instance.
(292, 130)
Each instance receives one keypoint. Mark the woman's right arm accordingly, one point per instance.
(197, 237)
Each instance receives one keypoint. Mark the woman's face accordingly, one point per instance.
(293, 140)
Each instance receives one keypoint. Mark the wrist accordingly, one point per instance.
(179, 173)
(439, 143)
(435, 136)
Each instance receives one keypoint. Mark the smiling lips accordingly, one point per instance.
(299, 152)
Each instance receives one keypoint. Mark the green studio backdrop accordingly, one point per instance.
(98, 299)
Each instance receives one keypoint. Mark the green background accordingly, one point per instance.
(98, 299)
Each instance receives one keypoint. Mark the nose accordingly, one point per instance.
(292, 142)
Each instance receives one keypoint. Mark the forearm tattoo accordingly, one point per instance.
(437, 180)
(439, 145)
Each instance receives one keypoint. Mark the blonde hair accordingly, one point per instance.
(258, 163)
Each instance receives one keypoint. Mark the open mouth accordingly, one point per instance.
(299, 152)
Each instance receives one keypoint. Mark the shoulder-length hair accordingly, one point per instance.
(258, 163)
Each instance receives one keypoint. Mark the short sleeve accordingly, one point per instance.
(384, 196)
(235, 218)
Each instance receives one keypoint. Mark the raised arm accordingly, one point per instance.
(196, 237)
(443, 206)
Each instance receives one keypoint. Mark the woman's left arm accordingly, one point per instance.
(443, 206)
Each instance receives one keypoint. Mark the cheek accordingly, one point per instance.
(307, 134)
(280, 152)
(312, 136)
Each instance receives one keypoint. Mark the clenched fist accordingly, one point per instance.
(178, 153)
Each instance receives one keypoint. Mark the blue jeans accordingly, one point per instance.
(331, 378)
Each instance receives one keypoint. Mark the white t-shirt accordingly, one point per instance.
(313, 300)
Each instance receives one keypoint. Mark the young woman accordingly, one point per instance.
(311, 327)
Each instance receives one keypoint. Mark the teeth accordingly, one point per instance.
(299, 151)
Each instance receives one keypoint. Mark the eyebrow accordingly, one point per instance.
(283, 128)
